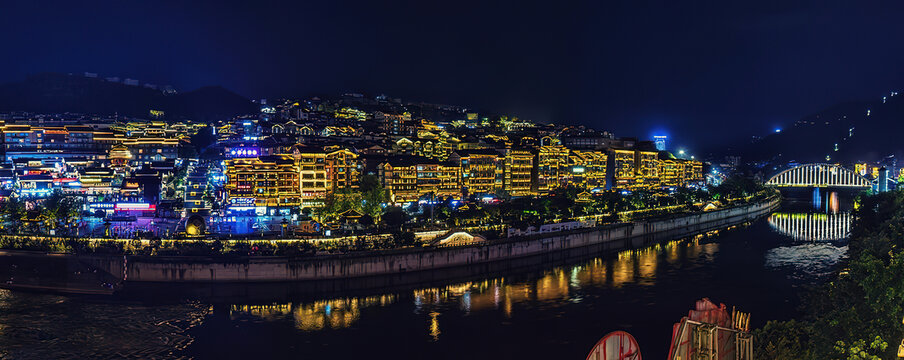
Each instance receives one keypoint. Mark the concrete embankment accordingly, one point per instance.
(384, 268)
(611, 237)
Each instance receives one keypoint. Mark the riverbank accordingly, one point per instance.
(374, 268)
(856, 315)
(564, 306)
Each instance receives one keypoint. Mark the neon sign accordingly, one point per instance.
(244, 152)
(242, 201)
(135, 206)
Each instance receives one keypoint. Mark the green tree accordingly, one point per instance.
(13, 210)
(59, 209)
(372, 201)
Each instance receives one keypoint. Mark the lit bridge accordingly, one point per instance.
(812, 227)
(819, 176)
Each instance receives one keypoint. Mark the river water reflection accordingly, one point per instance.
(556, 312)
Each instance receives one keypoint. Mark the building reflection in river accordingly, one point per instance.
(318, 315)
(637, 267)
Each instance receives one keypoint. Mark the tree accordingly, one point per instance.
(13, 210)
(59, 209)
(395, 217)
(372, 201)
(403, 239)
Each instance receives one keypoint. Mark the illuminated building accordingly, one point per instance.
(351, 113)
(311, 165)
(427, 144)
(338, 131)
(647, 168)
(143, 188)
(518, 169)
(39, 185)
(264, 182)
(150, 149)
(588, 168)
(660, 141)
(671, 172)
(408, 178)
(96, 180)
(481, 170)
(52, 142)
(119, 156)
(552, 168)
(342, 169)
(623, 169)
(693, 173)
(427, 125)
(396, 124)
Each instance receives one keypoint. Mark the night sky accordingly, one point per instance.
(701, 73)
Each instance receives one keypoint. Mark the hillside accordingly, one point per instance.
(847, 132)
(54, 93)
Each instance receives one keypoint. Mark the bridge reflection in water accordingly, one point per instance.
(812, 226)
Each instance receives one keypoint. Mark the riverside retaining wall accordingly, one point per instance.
(266, 269)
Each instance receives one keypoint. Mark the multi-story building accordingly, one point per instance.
(552, 168)
(342, 169)
(622, 169)
(633, 169)
(396, 124)
(266, 182)
(409, 178)
(312, 175)
(647, 165)
(671, 171)
(96, 181)
(693, 173)
(481, 170)
(147, 150)
(588, 169)
(518, 172)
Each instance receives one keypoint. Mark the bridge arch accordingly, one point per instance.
(819, 175)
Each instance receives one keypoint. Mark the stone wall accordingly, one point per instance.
(266, 269)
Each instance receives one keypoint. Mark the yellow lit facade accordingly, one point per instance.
(271, 181)
(481, 171)
(312, 176)
(647, 168)
(552, 168)
(588, 169)
(517, 172)
(693, 172)
(342, 169)
(623, 169)
(408, 180)
(671, 172)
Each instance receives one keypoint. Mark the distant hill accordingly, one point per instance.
(55, 93)
(859, 137)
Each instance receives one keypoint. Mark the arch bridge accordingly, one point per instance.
(819, 176)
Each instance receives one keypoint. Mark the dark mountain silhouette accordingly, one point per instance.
(859, 137)
(56, 93)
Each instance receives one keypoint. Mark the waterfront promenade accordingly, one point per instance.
(119, 270)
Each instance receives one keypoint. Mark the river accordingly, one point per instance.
(557, 312)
